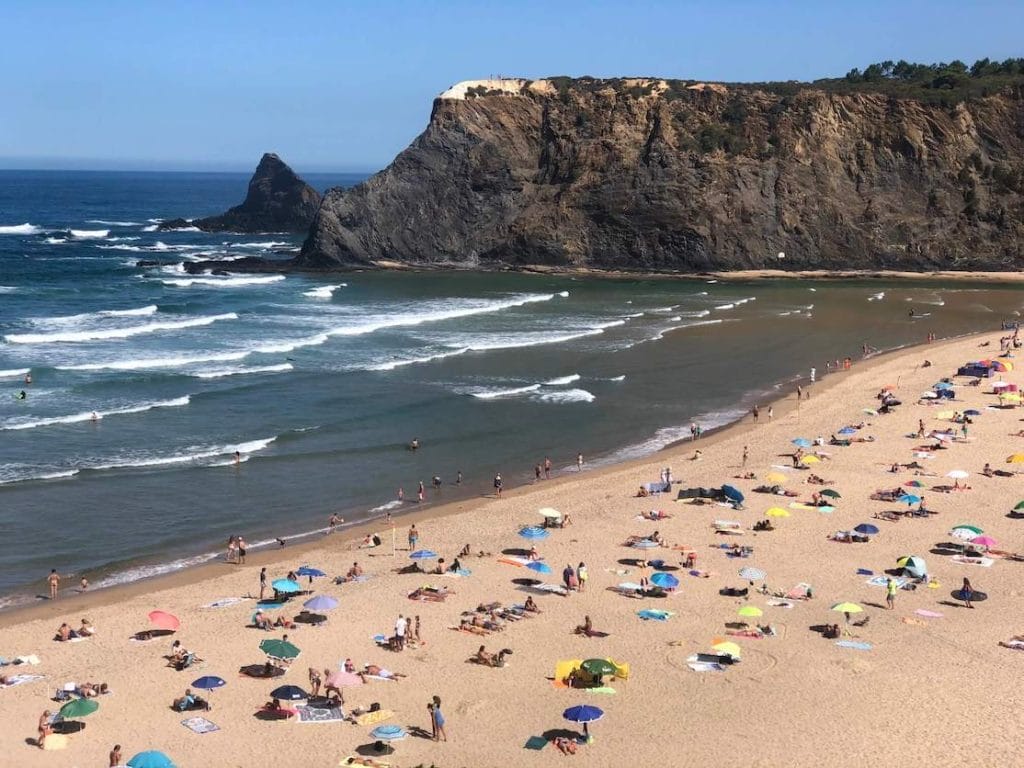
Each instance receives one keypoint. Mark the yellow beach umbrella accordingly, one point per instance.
(847, 608)
(1017, 458)
(1013, 397)
(729, 647)
(775, 478)
(945, 415)
(777, 512)
(750, 610)
(810, 459)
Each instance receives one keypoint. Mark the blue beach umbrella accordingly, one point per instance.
(289, 693)
(942, 385)
(320, 603)
(423, 554)
(664, 580)
(909, 499)
(752, 574)
(583, 713)
(151, 759)
(801, 442)
(533, 532)
(847, 431)
(285, 585)
(308, 570)
(733, 494)
(388, 733)
(866, 529)
(539, 567)
(208, 683)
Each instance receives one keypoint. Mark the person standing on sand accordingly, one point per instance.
(771, 412)
(45, 728)
(497, 485)
(536, 473)
(263, 582)
(746, 454)
(579, 461)
(414, 536)
(890, 593)
(115, 756)
(333, 522)
(967, 593)
(756, 413)
(458, 477)
(547, 467)
(241, 551)
(582, 576)
(54, 581)
(799, 394)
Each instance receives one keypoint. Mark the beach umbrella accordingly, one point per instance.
(1017, 458)
(289, 693)
(733, 494)
(847, 608)
(1000, 385)
(802, 442)
(867, 529)
(810, 460)
(644, 544)
(914, 484)
(208, 683)
(751, 611)
(1020, 505)
(913, 566)
(777, 512)
(939, 385)
(664, 580)
(972, 412)
(539, 567)
(150, 759)
(388, 733)
(307, 570)
(583, 713)
(598, 667)
(279, 649)
(775, 478)
(870, 412)
(533, 532)
(285, 585)
(984, 541)
(965, 532)
(79, 708)
(320, 603)
(342, 679)
(1012, 397)
(831, 494)
(929, 396)
(957, 474)
(908, 499)
(423, 554)
(728, 647)
(549, 513)
(752, 574)
(847, 431)
(164, 620)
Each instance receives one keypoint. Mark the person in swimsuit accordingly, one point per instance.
(54, 582)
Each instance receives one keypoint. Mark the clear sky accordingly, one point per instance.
(338, 85)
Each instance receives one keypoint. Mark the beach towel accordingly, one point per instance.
(31, 660)
(654, 615)
(928, 614)
(705, 666)
(799, 592)
(881, 581)
(225, 602)
(55, 741)
(200, 725)
(381, 677)
(308, 714)
(855, 644)
(360, 760)
(984, 562)
(535, 742)
(372, 718)
(21, 680)
(777, 602)
(604, 689)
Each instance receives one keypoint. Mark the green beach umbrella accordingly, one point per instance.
(750, 610)
(279, 649)
(1020, 505)
(598, 667)
(847, 608)
(79, 708)
(831, 494)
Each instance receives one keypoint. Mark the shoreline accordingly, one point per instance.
(312, 541)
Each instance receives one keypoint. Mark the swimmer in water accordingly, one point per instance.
(911, 312)
(94, 417)
(415, 444)
(21, 395)
(238, 457)
(28, 377)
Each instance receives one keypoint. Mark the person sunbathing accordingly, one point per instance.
(187, 702)
(65, 633)
(92, 690)
(642, 493)
(372, 670)
(262, 621)
(86, 629)
(482, 656)
(282, 621)
(530, 605)
(565, 746)
(831, 632)
(655, 514)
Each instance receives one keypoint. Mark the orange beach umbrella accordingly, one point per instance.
(164, 620)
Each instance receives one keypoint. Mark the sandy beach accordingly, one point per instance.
(926, 681)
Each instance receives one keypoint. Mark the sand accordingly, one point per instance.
(930, 690)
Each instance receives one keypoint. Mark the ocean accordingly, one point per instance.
(119, 463)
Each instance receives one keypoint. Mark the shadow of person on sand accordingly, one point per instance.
(418, 732)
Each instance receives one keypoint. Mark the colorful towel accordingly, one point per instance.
(928, 614)
(654, 615)
(225, 602)
(200, 725)
(705, 666)
(535, 742)
(855, 644)
(881, 581)
(984, 562)
(372, 718)
(308, 714)
(604, 689)
(21, 680)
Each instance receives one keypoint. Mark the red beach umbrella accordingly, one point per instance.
(164, 620)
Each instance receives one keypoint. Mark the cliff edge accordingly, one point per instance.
(679, 176)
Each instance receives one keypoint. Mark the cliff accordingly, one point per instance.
(662, 175)
(277, 201)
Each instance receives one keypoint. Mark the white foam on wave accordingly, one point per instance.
(114, 223)
(567, 396)
(76, 418)
(280, 347)
(562, 380)
(726, 306)
(395, 504)
(89, 234)
(265, 245)
(129, 462)
(122, 239)
(20, 229)
(324, 291)
(618, 378)
(115, 333)
(243, 370)
(55, 240)
(140, 572)
(877, 296)
(149, 309)
(564, 294)
(663, 310)
(57, 475)
(224, 282)
(139, 364)
(391, 365)
(12, 372)
(150, 228)
(8, 288)
(494, 394)
(744, 301)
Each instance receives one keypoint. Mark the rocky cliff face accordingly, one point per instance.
(277, 201)
(670, 176)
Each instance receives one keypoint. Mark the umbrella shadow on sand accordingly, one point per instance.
(375, 749)
(516, 552)
(560, 733)
(946, 549)
(1015, 515)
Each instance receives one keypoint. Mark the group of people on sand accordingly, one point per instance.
(236, 550)
(66, 633)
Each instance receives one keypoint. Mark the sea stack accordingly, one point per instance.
(277, 201)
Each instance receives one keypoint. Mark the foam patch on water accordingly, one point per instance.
(89, 234)
(242, 371)
(567, 396)
(20, 229)
(324, 291)
(140, 364)
(562, 380)
(223, 282)
(191, 457)
(98, 334)
(86, 416)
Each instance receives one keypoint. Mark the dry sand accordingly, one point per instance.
(932, 691)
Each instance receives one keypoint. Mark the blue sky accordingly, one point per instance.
(338, 85)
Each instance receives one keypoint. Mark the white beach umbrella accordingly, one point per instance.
(957, 474)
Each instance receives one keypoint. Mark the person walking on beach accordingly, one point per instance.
(497, 485)
(746, 454)
(241, 551)
(579, 462)
(890, 593)
(333, 522)
(967, 593)
(400, 627)
(582, 576)
(756, 413)
(536, 473)
(414, 536)
(437, 722)
(232, 550)
(54, 581)
(567, 574)
(263, 581)
(547, 467)
(771, 412)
